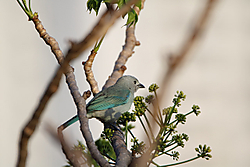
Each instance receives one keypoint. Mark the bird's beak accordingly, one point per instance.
(141, 86)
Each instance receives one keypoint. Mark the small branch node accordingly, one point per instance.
(86, 94)
(137, 43)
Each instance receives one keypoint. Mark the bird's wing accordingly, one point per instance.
(108, 99)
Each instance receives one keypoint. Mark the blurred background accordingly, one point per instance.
(215, 76)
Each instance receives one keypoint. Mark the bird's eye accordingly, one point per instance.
(134, 82)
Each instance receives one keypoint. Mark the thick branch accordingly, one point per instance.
(123, 155)
(30, 127)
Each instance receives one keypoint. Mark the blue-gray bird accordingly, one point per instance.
(109, 104)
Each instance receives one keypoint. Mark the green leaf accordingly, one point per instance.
(105, 148)
(120, 3)
(138, 4)
(90, 4)
(94, 4)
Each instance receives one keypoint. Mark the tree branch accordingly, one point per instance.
(123, 155)
(89, 73)
(176, 60)
(30, 127)
(127, 51)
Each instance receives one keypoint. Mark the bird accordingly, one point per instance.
(110, 103)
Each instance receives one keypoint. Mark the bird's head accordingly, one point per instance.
(130, 82)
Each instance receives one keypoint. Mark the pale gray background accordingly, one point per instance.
(216, 76)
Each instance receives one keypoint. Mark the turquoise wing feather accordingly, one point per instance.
(108, 99)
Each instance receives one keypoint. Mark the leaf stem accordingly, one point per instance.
(98, 44)
(144, 129)
(184, 115)
(133, 136)
(106, 155)
(155, 163)
(170, 114)
(30, 6)
(178, 163)
(158, 108)
(171, 148)
(25, 5)
(21, 5)
(126, 133)
(154, 117)
(149, 126)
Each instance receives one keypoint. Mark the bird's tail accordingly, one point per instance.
(70, 121)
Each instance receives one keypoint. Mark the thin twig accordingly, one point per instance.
(49, 40)
(89, 73)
